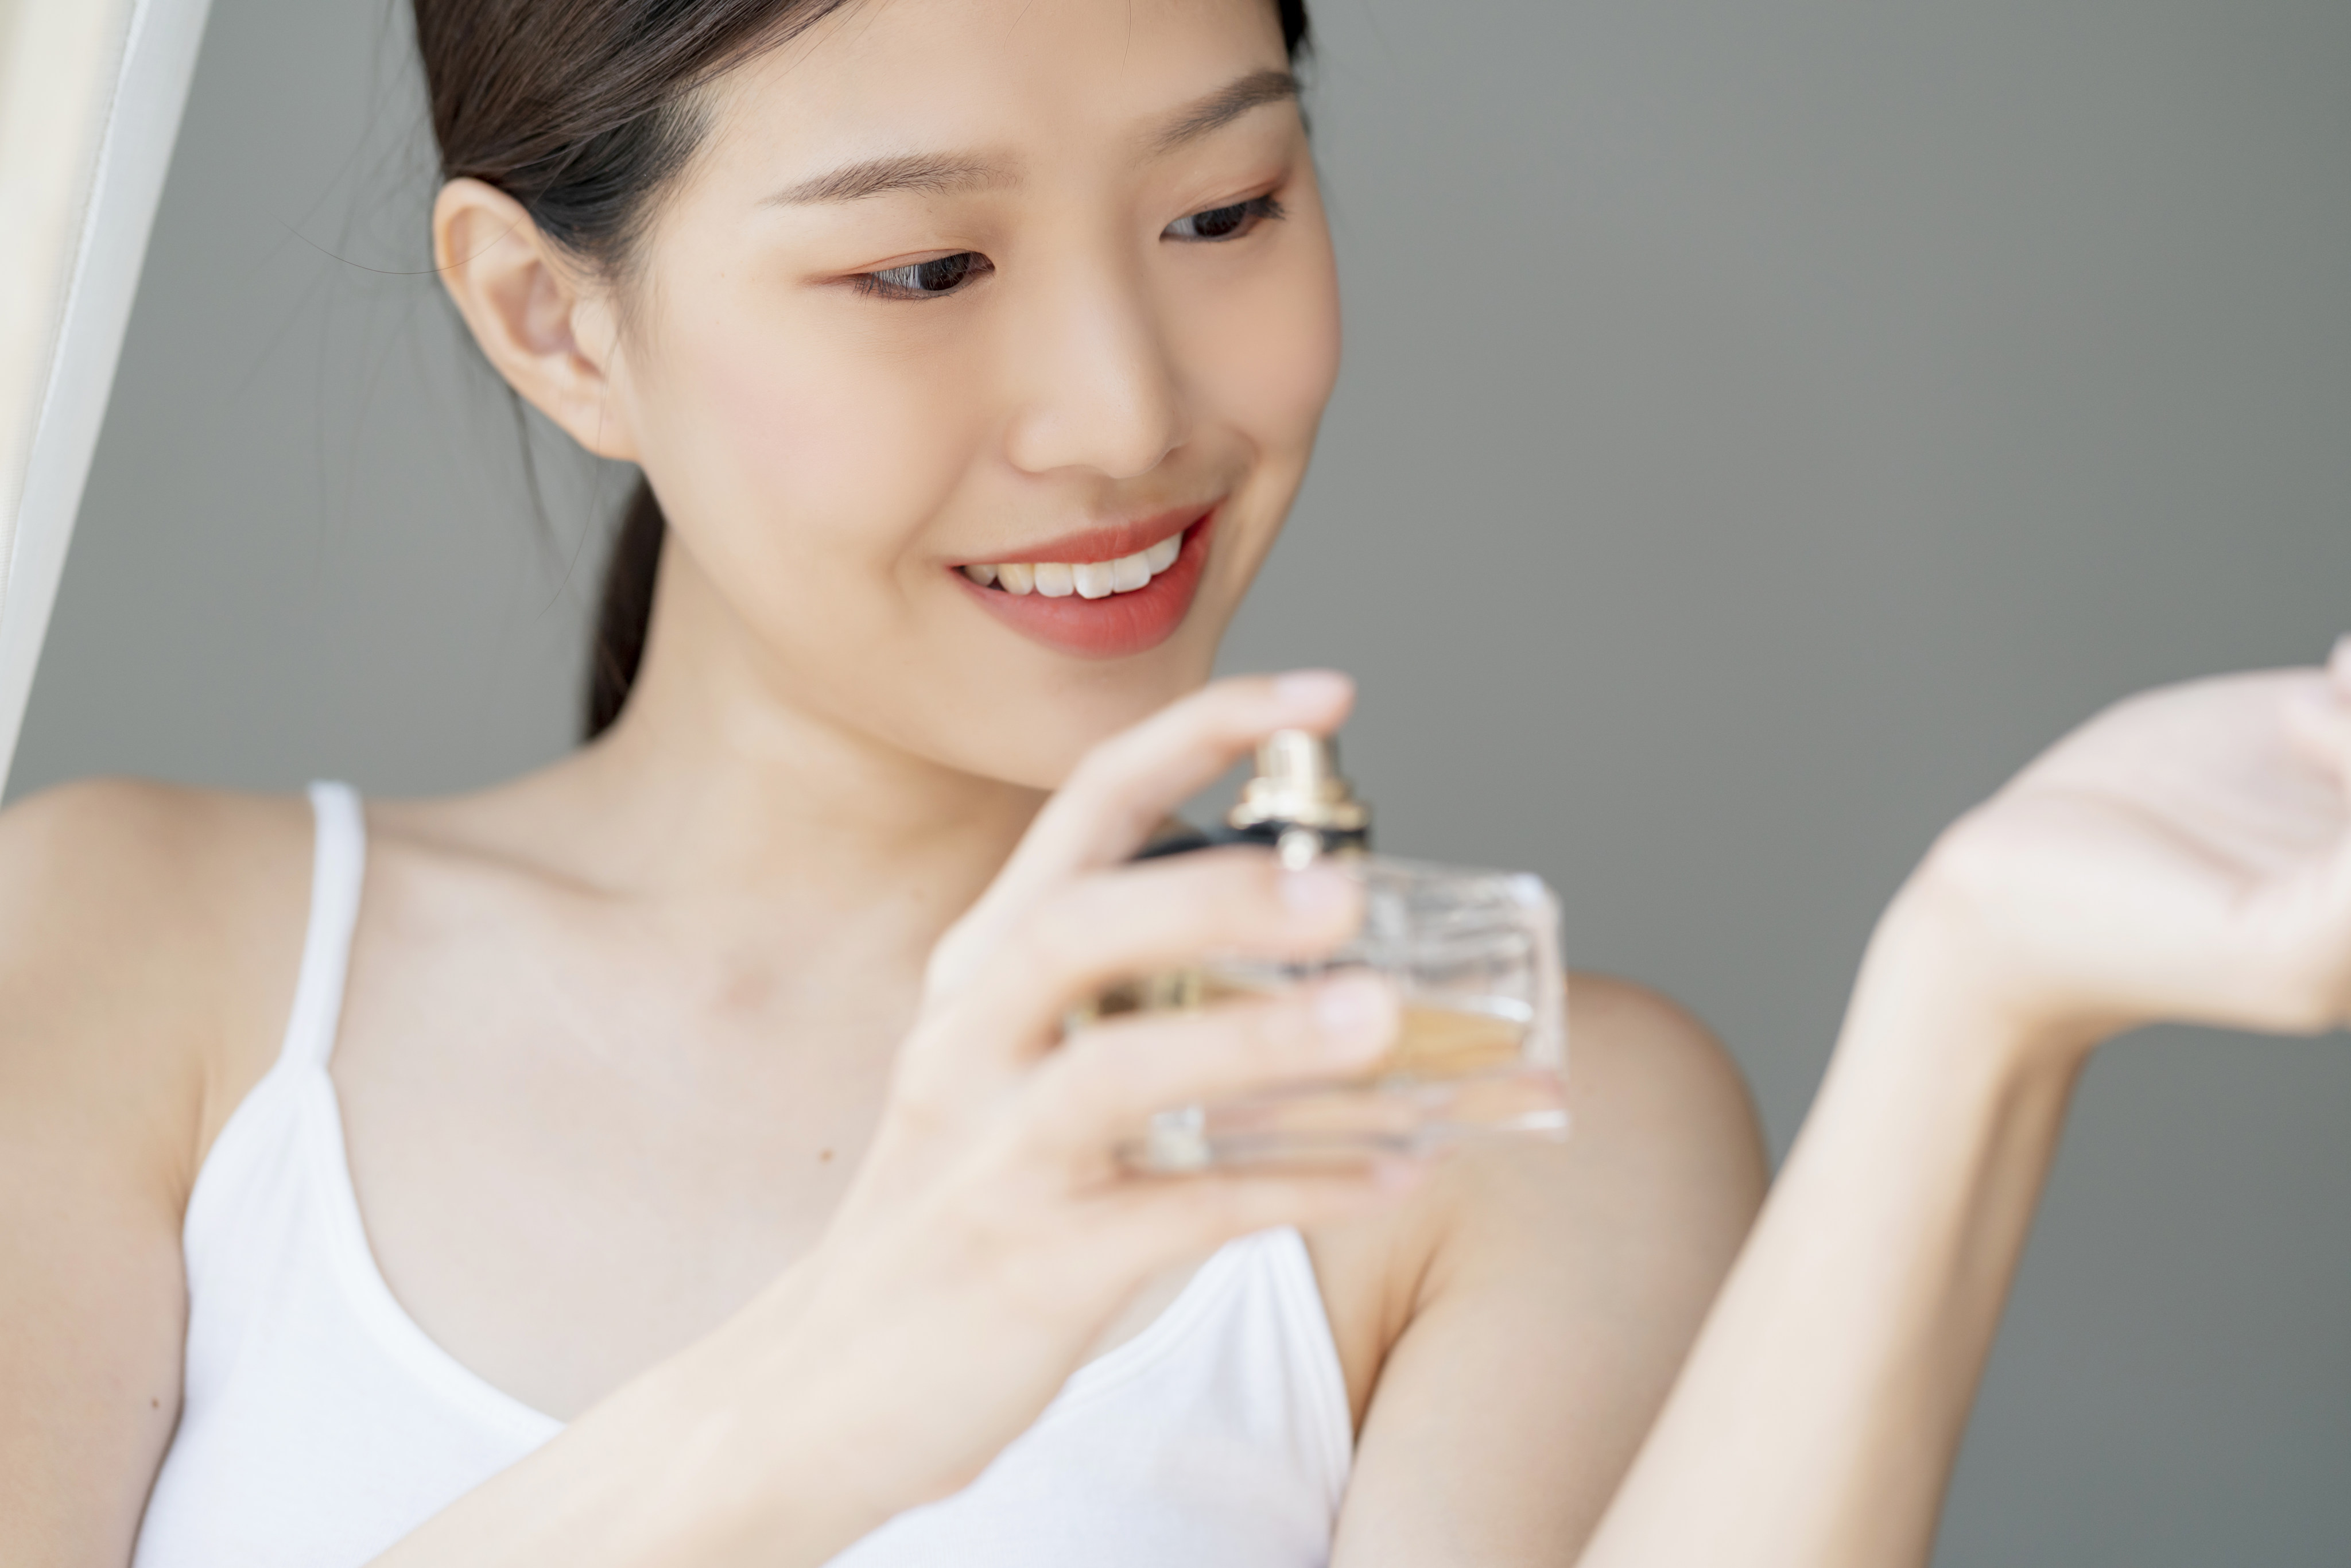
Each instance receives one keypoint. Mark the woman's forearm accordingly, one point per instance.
(1816, 1421)
(663, 1474)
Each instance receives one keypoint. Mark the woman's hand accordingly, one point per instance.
(992, 1235)
(2184, 856)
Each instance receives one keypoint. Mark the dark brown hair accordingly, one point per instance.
(584, 112)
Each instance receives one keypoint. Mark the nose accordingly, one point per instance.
(1099, 388)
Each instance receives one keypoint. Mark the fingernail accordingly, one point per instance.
(1356, 1010)
(1318, 891)
(1319, 687)
(2338, 662)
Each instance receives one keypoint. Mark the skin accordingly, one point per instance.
(802, 925)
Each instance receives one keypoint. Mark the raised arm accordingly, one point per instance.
(2186, 856)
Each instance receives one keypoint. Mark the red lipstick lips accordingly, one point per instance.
(1122, 623)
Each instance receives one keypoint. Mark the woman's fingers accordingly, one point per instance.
(1124, 787)
(1108, 1081)
(1138, 920)
(1041, 1184)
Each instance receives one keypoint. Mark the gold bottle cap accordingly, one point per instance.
(1298, 781)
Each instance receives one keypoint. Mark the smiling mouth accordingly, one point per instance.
(1086, 578)
(1102, 607)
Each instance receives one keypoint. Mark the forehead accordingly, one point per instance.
(1022, 79)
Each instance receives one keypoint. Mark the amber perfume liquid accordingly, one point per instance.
(1479, 1047)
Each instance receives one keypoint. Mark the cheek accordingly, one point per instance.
(788, 445)
(1269, 353)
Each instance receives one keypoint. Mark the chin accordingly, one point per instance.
(1088, 713)
(1068, 708)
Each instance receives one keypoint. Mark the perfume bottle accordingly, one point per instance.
(1473, 954)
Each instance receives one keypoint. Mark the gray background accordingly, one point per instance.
(1765, 425)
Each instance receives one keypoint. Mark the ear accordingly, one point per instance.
(534, 312)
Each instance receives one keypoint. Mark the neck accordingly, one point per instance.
(715, 787)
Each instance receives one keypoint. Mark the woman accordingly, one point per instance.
(672, 1156)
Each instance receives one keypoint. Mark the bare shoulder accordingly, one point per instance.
(1650, 1086)
(146, 933)
(1663, 1165)
(1633, 1217)
(87, 867)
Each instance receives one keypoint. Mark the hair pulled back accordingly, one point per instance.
(584, 112)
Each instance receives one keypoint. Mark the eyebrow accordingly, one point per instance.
(1221, 108)
(931, 173)
(942, 173)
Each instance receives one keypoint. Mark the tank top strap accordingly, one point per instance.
(337, 868)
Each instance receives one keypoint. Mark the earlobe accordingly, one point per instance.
(532, 311)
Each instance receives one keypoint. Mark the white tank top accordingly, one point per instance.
(320, 1424)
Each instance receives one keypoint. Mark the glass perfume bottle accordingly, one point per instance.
(1473, 954)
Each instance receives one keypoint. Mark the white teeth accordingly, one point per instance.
(1089, 578)
(1129, 572)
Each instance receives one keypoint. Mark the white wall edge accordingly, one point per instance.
(151, 90)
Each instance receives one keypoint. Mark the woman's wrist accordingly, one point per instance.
(749, 1466)
(1939, 980)
(657, 1473)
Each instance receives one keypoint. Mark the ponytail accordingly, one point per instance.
(625, 609)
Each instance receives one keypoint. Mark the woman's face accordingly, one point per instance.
(1039, 288)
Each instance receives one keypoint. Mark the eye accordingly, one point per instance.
(1224, 222)
(929, 280)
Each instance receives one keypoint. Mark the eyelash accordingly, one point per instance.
(1249, 214)
(906, 282)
